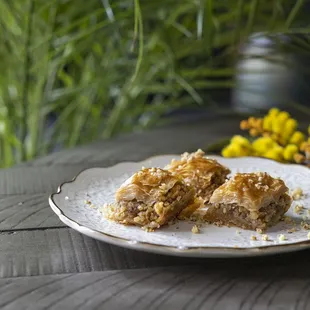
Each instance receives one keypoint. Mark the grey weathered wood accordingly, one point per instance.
(77, 272)
(51, 251)
(36, 180)
(27, 211)
(160, 288)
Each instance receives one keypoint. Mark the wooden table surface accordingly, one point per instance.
(46, 265)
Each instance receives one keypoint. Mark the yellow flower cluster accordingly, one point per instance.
(239, 146)
(276, 138)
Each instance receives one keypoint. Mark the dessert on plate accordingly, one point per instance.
(252, 201)
(204, 174)
(150, 198)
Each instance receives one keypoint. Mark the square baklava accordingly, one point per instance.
(150, 198)
(202, 173)
(252, 201)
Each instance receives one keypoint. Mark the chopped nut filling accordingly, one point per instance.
(150, 198)
(237, 215)
(249, 201)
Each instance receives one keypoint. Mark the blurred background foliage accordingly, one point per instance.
(73, 71)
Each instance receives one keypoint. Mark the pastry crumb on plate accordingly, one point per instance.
(195, 229)
(298, 209)
(305, 225)
(292, 230)
(297, 193)
(282, 237)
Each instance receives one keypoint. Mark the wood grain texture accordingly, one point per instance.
(36, 180)
(58, 268)
(160, 288)
(52, 251)
(27, 212)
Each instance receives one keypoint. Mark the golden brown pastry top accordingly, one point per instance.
(250, 190)
(147, 185)
(195, 163)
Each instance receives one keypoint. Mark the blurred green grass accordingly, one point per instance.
(101, 67)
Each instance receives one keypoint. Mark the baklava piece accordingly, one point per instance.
(252, 201)
(188, 212)
(204, 174)
(150, 198)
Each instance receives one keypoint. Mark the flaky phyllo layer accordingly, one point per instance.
(250, 201)
(150, 198)
(204, 174)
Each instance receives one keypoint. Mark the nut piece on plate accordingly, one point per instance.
(252, 201)
(203, 173)
(297, 193)
(150, 198)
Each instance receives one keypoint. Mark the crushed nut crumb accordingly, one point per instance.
(172, 222)
(297, 193)
(238, 232)
(88, 202)
(259, 230)
(288, 220)
(305, 225)
(298, 209)
(292, 230)
(254, 238)
(197, 217)
(265, 237)
(281, 237)
(195, 229)
(147, 229)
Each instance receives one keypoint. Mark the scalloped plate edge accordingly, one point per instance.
(169, 250)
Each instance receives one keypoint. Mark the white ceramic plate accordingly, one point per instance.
(98, 186)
